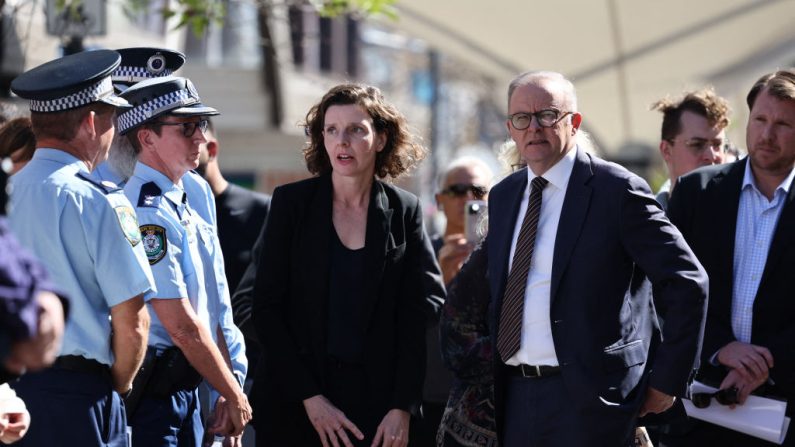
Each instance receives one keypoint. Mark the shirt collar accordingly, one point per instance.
(59, 156)
(749, 180)
(172, 191)
(558, 175)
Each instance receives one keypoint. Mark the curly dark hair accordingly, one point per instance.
(400, 154)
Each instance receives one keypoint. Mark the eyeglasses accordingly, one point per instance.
(699, 145)
(544, 118)
(726, 396)
(461, 189)
(188, 128)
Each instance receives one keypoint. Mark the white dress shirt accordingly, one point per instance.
(757, 218)
(537, 347)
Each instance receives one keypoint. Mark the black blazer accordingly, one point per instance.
(613, 242)
(291, 294)
(704, 206)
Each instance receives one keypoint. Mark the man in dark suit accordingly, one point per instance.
(574, 246)
(740, 220)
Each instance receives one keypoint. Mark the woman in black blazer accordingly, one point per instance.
(342, 283)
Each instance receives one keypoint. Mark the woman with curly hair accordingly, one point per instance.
(344, 276)
(17, 143)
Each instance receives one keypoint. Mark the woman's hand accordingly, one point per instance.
(330, 423)
(393, 431)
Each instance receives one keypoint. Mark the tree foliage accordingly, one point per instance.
(197, 15)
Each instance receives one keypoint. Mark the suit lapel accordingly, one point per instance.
(723, 202)
(503, 213)
(315, 247)
(378, 240)
(572, 217)
(783, 235)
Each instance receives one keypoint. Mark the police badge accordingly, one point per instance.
(155, 242)
(129, 224)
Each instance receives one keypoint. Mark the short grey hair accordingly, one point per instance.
(465, 161)
(537, 77)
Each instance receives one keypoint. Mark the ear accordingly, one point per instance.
(89, 124)
(665, 150)
(146, 138)
(380, 142)
(508, 126)
(439, 204)
(576, 120)
(212, 148)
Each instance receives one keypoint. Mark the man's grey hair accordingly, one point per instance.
(538, 77)
(122, 157)
(465, 161)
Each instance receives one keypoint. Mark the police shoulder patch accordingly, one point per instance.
(155, 242)
(129, 224)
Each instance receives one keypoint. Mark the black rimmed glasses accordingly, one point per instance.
(189, 127)
(461, 189)
(727, 396)
(544, 118)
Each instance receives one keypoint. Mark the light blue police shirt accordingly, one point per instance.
(105, 172)
(170, 237)
(202, 200)
(83, 232)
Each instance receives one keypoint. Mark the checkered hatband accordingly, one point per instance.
(136, 74)
(92, 93)
(141, 113)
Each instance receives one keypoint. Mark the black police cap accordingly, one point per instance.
(70, 82)
(150, 99)
(142, 63)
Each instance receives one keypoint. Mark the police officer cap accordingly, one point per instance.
(140, 64)
(70, 82)
(150, 99)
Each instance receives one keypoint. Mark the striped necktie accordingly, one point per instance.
(509, 334)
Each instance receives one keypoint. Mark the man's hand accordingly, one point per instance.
(17, 425)
(40, 350)
(452, 255)
(239, 413)
(393, 431)
(744, 386)
(656, 402)
(330, 423)
(751, 361)
(219, 422)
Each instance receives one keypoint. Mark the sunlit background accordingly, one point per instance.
(445, 63)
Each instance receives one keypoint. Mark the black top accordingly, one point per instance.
(346, 303)
(241, 215)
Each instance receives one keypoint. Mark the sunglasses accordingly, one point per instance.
(726, 396)
(188, 128)
(461, 189)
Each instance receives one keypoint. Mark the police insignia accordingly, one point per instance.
(155, 242)
(129, 224)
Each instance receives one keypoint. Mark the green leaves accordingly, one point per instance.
(333, 8)
(199, 14)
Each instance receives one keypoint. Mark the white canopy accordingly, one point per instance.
(621, 54)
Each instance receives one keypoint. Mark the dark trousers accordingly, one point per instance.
(703, 434)
(423, 431)
(173, 421)
(70, 408)
(540, 413)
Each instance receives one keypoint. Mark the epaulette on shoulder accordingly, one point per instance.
(104, 185)
(150, 195)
